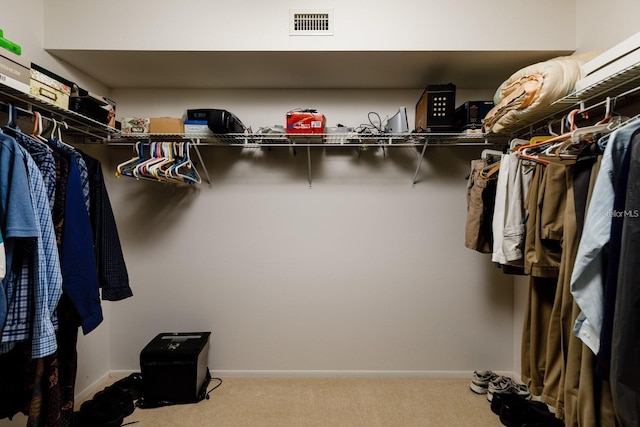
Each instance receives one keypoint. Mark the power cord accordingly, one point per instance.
(214, 387)
(371, 128)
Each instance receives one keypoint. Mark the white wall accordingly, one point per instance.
(599, 26)
(24, 24)
(359, 273)
(359, 25)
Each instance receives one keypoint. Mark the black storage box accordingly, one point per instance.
(470, 114)
(219, 121)
(96, 107)
(174, 367)
(435, 108)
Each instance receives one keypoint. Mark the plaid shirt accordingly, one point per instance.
(113, 278)
(41, 277)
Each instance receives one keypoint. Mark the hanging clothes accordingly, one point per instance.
(481, 193)
(563, 194)
(587, 280)
(625, 340)
(37, 377)
(113, 278)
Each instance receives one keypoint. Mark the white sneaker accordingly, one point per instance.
(505, 385)
(499, 384)
(480, 381)
(521, 390)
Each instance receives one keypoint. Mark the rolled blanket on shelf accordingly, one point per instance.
(532, 88)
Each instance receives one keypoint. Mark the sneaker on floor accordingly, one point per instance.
(480, 381)
(500, 385)
(520, 389)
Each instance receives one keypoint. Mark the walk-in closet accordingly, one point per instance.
(369, 254)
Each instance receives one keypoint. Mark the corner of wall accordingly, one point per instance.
(520, 287)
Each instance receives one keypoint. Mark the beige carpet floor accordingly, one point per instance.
(344, 402)
(320, 402)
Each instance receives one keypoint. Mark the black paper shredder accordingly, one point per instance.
(174, 367)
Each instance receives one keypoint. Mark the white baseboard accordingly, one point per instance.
(330, 373)
(91, 388)
(99, 383)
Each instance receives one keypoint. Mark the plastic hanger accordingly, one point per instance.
(142, 170)
(191, 175)
(9, 45)
(60, 140)
(10, 114)
(159, 169)
(125, 167)
(486, 153)
(36, 133)
(524, 151)
(586, 135)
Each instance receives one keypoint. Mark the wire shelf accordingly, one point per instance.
(321, 139)
(77, 122)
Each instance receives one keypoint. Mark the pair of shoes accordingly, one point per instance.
(108, 408)
(480, 381)
(516, 411)
(496, 402)
(131, 384)
(502, 385)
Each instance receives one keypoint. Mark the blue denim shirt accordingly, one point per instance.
(587, 278)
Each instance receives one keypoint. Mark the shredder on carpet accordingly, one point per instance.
(174, 369)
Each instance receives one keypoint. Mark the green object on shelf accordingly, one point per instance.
(9, 45)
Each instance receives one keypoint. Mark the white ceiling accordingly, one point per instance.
(289, 69)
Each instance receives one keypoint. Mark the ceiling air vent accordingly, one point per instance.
(310, 23)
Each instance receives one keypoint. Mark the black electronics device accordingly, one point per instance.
(219, 121)
(435, 109)
(96, 107)
(174, 368)
(470, 114)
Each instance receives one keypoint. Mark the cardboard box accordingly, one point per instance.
(49, 87)
(166, 125)
(132, 125)
(14, 75)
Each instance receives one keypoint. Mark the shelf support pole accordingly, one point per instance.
(415, 175)
(195, 142)
(309, 164)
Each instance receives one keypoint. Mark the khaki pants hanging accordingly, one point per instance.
(555, 363)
